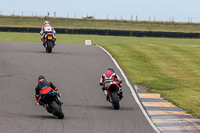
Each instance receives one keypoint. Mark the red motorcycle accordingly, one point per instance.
(115, 95)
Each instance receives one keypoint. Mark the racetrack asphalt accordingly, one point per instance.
(75, 70)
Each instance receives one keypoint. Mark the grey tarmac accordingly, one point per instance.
(75, 70)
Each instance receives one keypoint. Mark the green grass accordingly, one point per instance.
(17, 21)
(167, 66)
(170, 67)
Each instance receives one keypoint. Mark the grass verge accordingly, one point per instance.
(19, 21)
(167, 66)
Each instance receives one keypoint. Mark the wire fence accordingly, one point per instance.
(107, 17)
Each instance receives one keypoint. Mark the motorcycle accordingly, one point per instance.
(49, 42)
(115, 95)
(52, 103)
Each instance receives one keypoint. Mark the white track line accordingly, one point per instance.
(133, 92)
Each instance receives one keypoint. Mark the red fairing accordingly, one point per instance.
(113, 84)
(118, 83)
(108, 73)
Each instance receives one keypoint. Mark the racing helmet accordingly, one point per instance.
(46, 22)
(41, 77)
(111, 69)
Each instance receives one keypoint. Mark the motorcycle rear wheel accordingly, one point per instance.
(49, 46)
(115, 100)
(57, 110)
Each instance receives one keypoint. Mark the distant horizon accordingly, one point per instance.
(134, 20)
(143, 10)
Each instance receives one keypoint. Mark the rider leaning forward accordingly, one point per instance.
(43, 87)
(47, 28)
(107, 78)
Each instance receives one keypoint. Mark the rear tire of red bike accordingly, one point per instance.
(115, 100)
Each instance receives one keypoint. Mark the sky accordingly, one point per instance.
(145, 10)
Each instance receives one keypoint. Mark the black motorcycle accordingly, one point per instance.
(49, 42)
(52, 103)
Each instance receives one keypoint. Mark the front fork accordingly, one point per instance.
(58, 99)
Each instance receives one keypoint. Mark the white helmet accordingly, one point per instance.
(46, 22)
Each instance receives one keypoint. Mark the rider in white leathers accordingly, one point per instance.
(47, 28)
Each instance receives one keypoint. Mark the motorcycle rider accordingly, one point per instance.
(43, 87)
(108, 77)
(47, 28)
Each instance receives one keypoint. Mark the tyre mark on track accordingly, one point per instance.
(57, 127)
(63, 126)
(18, 120)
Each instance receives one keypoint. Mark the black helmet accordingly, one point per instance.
(41, 77)
(111, 69)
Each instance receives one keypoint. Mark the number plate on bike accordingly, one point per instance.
(49, 37)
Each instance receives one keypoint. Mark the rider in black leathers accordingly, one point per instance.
(43, 87)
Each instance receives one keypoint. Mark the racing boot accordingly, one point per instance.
(54, 44)
(42, 39)
(40, 103)
(107, 95)
(120, 93)
(44, 43)
(48, 108)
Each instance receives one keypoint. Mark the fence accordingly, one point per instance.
(105, 32)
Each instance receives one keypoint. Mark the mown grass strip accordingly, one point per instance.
(19, 21)
(165, 66)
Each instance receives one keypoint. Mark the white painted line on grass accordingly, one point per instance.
(133, 92)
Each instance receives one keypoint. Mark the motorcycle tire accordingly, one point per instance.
(49, 46)
(115, 100)
(57, 110)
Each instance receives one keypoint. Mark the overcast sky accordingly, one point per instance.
(162, 10)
